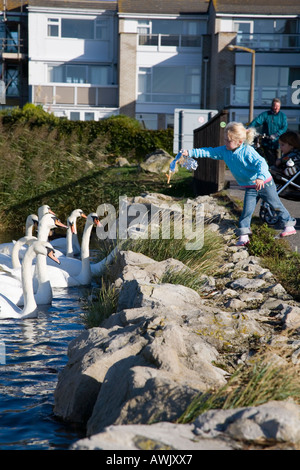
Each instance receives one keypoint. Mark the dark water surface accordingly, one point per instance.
(32, 352)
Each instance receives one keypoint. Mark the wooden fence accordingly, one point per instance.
(210, 174)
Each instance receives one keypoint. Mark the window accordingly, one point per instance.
(101, 29)
(176, 32)
(89, 116)
(92, 74)
(74, 116)
(148, 121)
(53, 27)
(264, 76)
(12, 81)
(78, 29)
(169, 85)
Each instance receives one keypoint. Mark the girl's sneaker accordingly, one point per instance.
(243, 240)
(289, 230)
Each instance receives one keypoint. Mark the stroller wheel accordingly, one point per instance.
(268, 215)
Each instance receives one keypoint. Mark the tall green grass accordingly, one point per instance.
(64, 163)
(252, 384)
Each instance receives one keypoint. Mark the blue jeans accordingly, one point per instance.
(269, 195)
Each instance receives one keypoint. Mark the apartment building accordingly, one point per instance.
(90, 59)
(270, 29)
(13, 53)
(161, 58)
(73, 57)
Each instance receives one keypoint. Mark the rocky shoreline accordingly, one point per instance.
(130, 380)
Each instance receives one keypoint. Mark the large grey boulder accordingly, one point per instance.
(157, 162)
(274, 425)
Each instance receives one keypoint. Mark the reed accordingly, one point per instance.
(261, 380)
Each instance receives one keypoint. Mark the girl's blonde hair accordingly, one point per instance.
(237, 131)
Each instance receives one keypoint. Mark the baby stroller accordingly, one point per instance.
(287, 188)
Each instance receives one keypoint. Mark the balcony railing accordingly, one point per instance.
(169, 40)
(11, 46)
(75, 95)
(240, 95)
(269, 42)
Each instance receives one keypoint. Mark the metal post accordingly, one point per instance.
(252, 51)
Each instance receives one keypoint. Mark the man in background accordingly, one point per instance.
(271, 124)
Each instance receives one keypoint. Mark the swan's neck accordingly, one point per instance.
(43, 232)
(85, 273)
(29, 230)
(69, 243)
(15, 253)
(16, 249)
(26, 270)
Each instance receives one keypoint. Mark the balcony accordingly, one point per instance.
(240, 96)
(158, 41)
(12, 49)
(269, 42)
(75, 95)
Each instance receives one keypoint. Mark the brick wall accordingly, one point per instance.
(127, 74)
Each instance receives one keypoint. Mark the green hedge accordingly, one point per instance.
(116, 135)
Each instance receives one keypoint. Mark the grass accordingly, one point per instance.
(202, 261)
(253, 384)
(275, 254)
(278, 257)
(102, 304)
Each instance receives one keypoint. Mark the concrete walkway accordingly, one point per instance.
(293, 207)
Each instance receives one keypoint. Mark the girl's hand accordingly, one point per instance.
(259, 184)
(185, 153)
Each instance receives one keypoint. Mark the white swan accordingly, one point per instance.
(72, 271)
(6, 248)
(69, 245)
(10, 310)
(43, 292)
(11, 278)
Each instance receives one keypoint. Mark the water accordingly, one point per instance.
(32, 353)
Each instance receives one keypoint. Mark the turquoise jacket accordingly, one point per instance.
(245, 164)
(271, 124)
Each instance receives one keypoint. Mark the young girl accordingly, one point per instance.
(250, 171)
(289, 163)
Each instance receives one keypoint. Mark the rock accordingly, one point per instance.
(291, 316)
(166, 344)
(91, 355)
(121, 161)
(247, 283)
(157, 162)
(134, 294)
(268, 423)
(156, 437)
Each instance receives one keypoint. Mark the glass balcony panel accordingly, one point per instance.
(148, 40)
(268, 41)
(170, 40)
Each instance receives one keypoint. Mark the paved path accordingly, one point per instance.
(292, 206)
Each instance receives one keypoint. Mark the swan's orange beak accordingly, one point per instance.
(51, 255)
(58, 223)
(84, 216)
(72, 227)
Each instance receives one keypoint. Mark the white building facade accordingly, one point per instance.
(90, 59)
(73, 59)
(273, 32)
